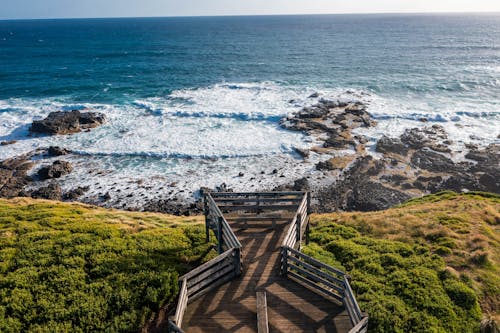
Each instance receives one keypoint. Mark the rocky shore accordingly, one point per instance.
(420, 161)
(350, 173)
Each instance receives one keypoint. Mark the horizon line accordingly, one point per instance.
(254, 15)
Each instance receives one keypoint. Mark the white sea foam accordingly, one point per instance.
(206, 136)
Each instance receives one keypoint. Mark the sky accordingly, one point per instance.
(27, 9)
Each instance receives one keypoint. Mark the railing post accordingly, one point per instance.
(308, 218)
(219, 234)
(307, 231)
(299, 229)
(284, 261)
(207, 221)
(308, 194)
(237, 255)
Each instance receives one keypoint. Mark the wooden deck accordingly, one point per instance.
(290, 307)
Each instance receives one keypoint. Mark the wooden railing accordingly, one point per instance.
(213, 273)
(226, 239)
(298, 226)
(203, 279)
(296, 265)
(314, 274)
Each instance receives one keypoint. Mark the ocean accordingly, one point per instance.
(195, 101)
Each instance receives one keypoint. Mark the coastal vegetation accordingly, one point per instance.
(75, 268)
(429, 265)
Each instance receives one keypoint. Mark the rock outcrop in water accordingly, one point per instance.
(55, 170)
(14, 176)
(344, 176)
(333, 121)
(67, 122)
(52, 191)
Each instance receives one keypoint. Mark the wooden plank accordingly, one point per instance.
(290, 232)
(226, 271)
(314, 285)
(360, 327)
(350, 305)
(256, 219)
(350, 310)
(229, 238)
(213, 206)
(314, 278)
(272, 194)
(290, 239)
(207, 265)
(317, 263)
(255, 208)
(198, 278)
(348, 290)
(262, 320)
(332, 279)
(216, 284)
(302, 208)
(181, 304)
(227, 229)
(257, 199)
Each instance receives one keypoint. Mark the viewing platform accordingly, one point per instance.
(261, 282)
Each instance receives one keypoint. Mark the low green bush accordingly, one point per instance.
(402, 286)
(64, 268)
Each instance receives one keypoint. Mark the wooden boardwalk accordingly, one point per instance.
(291, 307)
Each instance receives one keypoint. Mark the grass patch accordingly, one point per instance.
(77, 268)
(429, 265)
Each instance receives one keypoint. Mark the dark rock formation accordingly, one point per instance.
(51, 192)
(391, 145)
(301, 184)
(431, 161)
(54, 151)
(75, 193)
(357, 191)
(56, 170)
(173, 207)
(368, 196)
(332, 122)
(6, 143)
(14, 177)
(67, 122)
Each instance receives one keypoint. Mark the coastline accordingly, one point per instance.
(338, 168)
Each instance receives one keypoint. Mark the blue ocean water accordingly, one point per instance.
(215, 87)
(455, 55)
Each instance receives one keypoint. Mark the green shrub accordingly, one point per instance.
(64, 268)
(402, 286)
(461, 295)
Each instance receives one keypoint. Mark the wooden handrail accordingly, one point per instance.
(257, 199)
(206, 265)
(361, 327)
(326, 279)
(181, 304)
(317, 263)
(273, 194)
